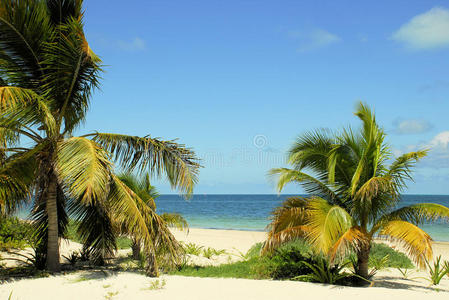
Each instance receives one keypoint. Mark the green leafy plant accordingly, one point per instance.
(73, 258)
(192, 248)
(405, 272)
(14, 233)
(437, 271)
(378, 264)
(208, 252)
(324, 272)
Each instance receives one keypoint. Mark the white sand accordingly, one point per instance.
(125, 285)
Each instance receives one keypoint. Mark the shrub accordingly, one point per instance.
(396, 259)
(287, 261)
(14, 233)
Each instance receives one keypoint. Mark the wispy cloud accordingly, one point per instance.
(429, 30)
(411, 126)
(136, 44)
(313, 39)
(438, 148)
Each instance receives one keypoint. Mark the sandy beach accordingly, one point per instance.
(128, 285)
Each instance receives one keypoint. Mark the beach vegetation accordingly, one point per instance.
(156, 285)
(72, 258)
(437, 271)
(14, 233)
(324, 272)
(405, 272)
(354, 195)
(192, 248)
(47, 75)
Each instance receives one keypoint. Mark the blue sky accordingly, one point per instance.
(238, 81)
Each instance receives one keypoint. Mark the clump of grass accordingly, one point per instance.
(396, 259)
(14, 233)
(156, 285)
(405, 272)
(73, 258)
(192, 248)
(378, 263)
(437, 271)
(240, 269)
(111, 295)
(209, 252)
(124, 242)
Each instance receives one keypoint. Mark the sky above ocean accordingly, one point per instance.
(238, 81)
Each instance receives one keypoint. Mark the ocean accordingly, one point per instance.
(251, 212)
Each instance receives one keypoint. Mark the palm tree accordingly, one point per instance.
(148, 193)
(354, 195)
(47, 75)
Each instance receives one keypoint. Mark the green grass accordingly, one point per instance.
(241, 269)
(396, 259)
(255, 267)
(124, 242)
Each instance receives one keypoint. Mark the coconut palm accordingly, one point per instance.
(354, 194)
(47, 75)
(142, 187)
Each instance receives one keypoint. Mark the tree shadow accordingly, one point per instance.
(391, 282)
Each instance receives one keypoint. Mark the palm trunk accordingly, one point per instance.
(152, 269)
(136, 248)
(362, 261)
(53, 264)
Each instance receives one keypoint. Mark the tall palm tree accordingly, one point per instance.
(354, 195)
(142, 187)
(47, 75)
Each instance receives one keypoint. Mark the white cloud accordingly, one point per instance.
(136, 44)
(429, 30)
(438, 147)
(314, 39)
(412, 126)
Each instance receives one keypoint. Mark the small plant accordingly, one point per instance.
(405, 272)
(84, 254)
(324, 272)
(72, 258)
(191, 248)
(378, 263)
(208, 252)
(156, 285)
(110, 295)
(437, 272)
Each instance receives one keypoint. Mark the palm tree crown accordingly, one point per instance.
(354, 194)
(47, 75)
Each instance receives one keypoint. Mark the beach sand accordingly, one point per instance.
(98, 284)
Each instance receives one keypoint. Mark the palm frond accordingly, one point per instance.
(327, 224)
(175, 220)
(400, 169)
(310, 184)
(83, 168)
(352, 240)
(415, 241)
(419, 213)
(153, 155)
(281, 237)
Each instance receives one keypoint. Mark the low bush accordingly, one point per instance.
(14, 233)
(396, 259)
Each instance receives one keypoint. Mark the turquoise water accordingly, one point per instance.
(251, 212)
